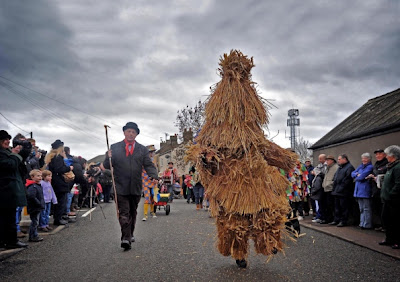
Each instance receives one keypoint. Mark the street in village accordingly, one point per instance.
(181, 247)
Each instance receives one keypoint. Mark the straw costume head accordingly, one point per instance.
(239, 166)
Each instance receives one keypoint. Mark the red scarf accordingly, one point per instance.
(129, 152)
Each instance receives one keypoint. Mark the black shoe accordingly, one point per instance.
(133, 239)
(396, 246)
(341, 224)
(71, 220)
(61, 222)
(323, 222)
(241, 263)
(16, 245)
(385, 243)
(126, 245)
(36, 239)
(333, 223)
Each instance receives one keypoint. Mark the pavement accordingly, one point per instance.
(181, 247)
(353, 234)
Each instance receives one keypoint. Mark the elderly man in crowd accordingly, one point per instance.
(328, 201)
(390, 195)
(342, 190)
(128, 158)
(380, 168)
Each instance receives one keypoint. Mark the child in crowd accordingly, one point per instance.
(36, 203)
(49, 197)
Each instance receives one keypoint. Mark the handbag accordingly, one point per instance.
(69, 176)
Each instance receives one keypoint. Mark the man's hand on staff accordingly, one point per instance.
(109, 153)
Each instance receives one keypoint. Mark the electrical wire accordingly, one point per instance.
(65, 104)
(38, 105)
(14, 124)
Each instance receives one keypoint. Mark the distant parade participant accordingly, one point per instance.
(128, 158)
(149, 188)
(170, 176)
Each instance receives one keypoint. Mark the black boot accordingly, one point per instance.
(241, 263)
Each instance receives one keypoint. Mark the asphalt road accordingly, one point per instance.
(180, 247)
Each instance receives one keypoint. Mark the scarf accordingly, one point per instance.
(127, 150)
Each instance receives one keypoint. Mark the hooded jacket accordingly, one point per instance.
(34, 196)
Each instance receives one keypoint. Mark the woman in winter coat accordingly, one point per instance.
(56, 164)
(363, 190)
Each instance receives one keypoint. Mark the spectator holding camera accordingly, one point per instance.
(25, 150)
(12, 191)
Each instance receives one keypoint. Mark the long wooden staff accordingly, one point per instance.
(112, 171)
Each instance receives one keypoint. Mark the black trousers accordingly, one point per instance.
(8, 228)
(327, 206)
(127, 206)
(341, 209)
(297, 207)
(107, 192)
(61, 208)
(390, 218)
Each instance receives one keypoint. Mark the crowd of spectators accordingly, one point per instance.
(47, 183)
(334, 187)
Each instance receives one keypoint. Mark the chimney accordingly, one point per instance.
(174, 140)
(187, 135)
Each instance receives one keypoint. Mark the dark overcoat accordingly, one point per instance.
(12, 189)
(128, 169)
(343, 185)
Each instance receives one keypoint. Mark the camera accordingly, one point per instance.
(24, 143)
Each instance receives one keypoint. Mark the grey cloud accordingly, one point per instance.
(143, 61)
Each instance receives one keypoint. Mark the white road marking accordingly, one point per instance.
(88, 212)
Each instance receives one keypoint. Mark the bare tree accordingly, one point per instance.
(192, 117)
(302, 149)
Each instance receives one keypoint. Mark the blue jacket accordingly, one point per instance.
(363, 186)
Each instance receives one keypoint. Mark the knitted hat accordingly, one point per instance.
(131, 125)
(4, 135)
(57, 144)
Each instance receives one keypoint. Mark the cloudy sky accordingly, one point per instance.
(69, 67)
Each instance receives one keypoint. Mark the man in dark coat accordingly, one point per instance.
(12, 192)
(343, 188)
(380, 169)
(128, 159)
